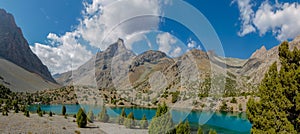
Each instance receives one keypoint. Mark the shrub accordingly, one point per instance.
(16, 106)
(129, 121)
(240, 107)
(175, 96)
(77, 132)
(40, 114)
(183, 128)
(122, 117)
(162, 122)
(64, 110)
(224, 106)
(233, 100)
(211, 131)
(144, 122)
(103, 116)
(200, 131)
(38, 110)
(26, 113)
(81, 118)
(90, 116)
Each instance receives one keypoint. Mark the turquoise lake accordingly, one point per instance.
(223, 122)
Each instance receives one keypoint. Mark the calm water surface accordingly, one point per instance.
(223, 122)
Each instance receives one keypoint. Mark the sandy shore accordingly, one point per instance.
(18, 123)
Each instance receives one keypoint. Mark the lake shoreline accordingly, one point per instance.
(218, 120)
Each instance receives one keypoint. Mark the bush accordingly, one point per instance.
(90, 116)
(64, 110)
(211, 131)
(162, 122)
(240, 107)
(183, 128)
(144, 122)
(23, 109)
(38, 110)
(103, 116)
(26, 113)
(40, 114)
(233, 100)
(16, 106)
(81, 118)
(122, 117)
(129, 121)
(224, 106)
(200, 131)
(175, 96)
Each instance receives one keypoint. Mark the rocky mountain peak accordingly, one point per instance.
(117, 47)
(15, 48)
(150, 56)
(6, 21)
(259, 52)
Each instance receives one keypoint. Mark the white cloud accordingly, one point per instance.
(133, 38)
(192, 44)
(64, 57)
(164, 42)
(282, 19)
(246, 15)
(176, 52)
(101, 20)
(111, 21)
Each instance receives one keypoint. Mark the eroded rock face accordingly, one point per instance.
(15, 48)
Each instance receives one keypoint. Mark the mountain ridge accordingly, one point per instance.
(15, 48)
(15, 53)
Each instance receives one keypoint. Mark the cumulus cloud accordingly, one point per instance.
(246, 16)
(106, 21)
(68, 55)
(165, 41)
(192, 44)
(102, 23)
(282, 19)
(176, 52)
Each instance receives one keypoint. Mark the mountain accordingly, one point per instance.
(15, 49)
(18, 79)
(152, 76)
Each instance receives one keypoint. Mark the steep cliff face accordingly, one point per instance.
(15, 48)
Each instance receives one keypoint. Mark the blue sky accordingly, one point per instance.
(237, 23)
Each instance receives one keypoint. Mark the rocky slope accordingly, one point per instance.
(124, 78)
(20, 68)
(18, 79)
(14, 47)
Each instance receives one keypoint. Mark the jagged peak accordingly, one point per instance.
(116, 47)
(259, 52)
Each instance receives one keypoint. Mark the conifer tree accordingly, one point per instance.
(277, 110)
(90, 116)
(81, 118)
(64, 110)
(122, 117)
(129, 121)
(103, 116)
(144, 122)
(162, 122)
